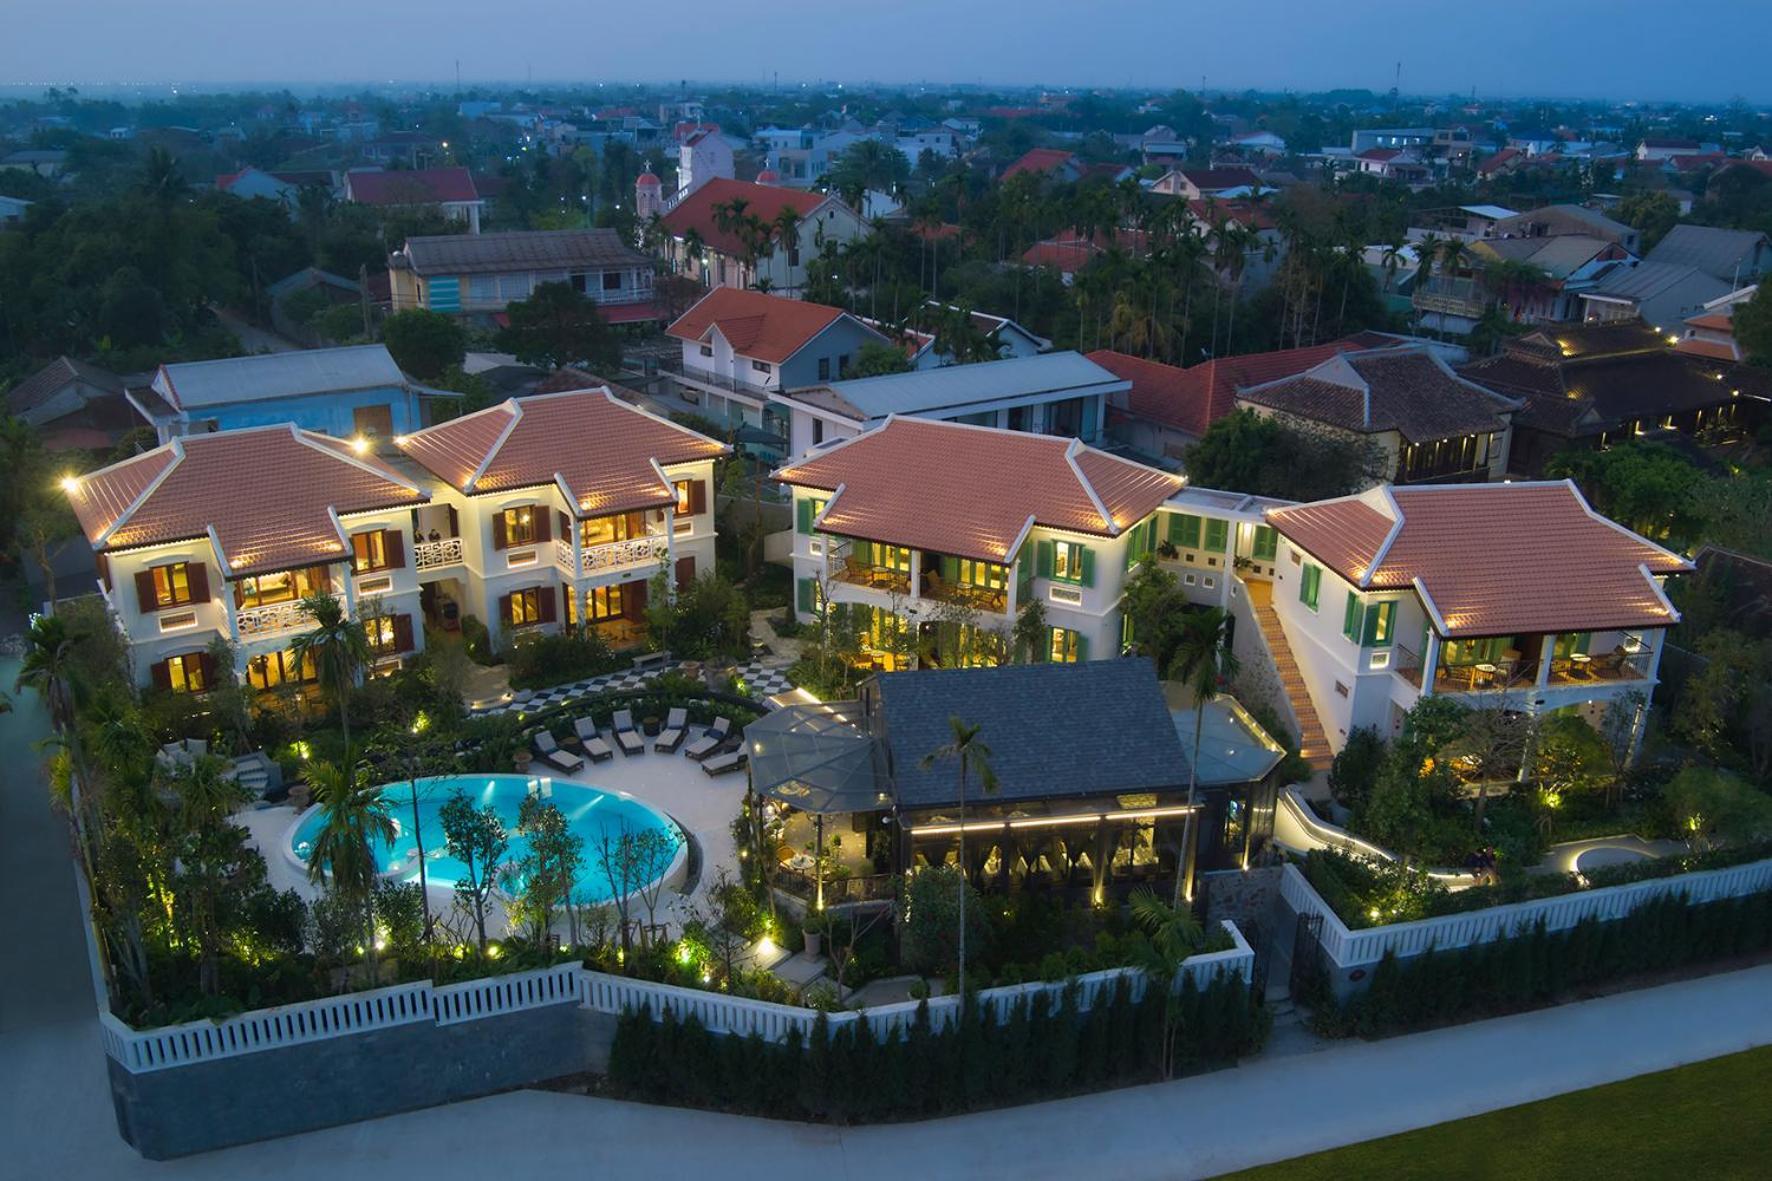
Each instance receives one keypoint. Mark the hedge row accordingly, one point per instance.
(1533, 969)
(1039, 1050)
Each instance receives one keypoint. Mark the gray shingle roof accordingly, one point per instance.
(1729, 255)
(1055, 730)
(521, 250)
(953, 387)
(279, 375)
(31, 392)
(1406, 390)
(1650, 278)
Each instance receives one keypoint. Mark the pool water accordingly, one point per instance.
(590, 813)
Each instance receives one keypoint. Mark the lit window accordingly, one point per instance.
(1063, 648)
(525, 607)
(172, 585)
(604, 602)
(520, 526)
(369, 551)
(185, 673)
(1067, 561)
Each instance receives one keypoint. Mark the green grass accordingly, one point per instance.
(1705, 1121)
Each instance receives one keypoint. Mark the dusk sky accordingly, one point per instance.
(1622, 48)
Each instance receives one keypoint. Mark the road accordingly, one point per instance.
(252, 338)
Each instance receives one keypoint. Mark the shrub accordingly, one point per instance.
(1355, 769)
(477, 640)
(539, 662)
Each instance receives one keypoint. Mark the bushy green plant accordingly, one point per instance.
(541, 662)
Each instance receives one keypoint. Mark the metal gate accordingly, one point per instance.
(1307, 954)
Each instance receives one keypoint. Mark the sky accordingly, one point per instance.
(1695, 50)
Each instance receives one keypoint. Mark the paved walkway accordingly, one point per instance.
(252, 338)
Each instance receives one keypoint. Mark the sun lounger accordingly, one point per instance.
(671, 737)
(550, 752)
(732, 760)
(626, 735)
(710, 742)
(595, 748)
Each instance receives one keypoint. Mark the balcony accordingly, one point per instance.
(618, 555)
(721, 381)
(1519, 676)
(1451, 297)
(846, 568)
(435, 555)
(978, 598)
(257, 622)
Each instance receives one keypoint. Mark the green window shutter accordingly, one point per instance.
(1190, 531)
(1134, 545)
(950, 569)
(1082, 647)
(1350, 616)
(1267, 542)
(1216, 532)
(1044, 552)
(803, 515)
(1377, 632)
(1308, 583)
(1024, 576)
(1087, 563)
(1174, 527)
(805, 595)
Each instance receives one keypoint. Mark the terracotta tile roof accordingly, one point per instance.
(1492, 559)
(1210, 210)
(969, 491)
(696, 211)
(1720, 350)
(1407, 390)
(755, 324)
(1039, 161)
(268, 493)
(604, 450)
(411, 186)
(1715, 321)
(1196, 397)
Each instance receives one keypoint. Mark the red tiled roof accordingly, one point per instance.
(602, 449)
(1498, 160)
(969, 491)
(269, 493)
(1194, 398)
(755, 324)
(1492, 559)
(1039, 161)
(1722, 350)
(415, 186)
(1244, 213)
(1211, 179)
(696, 211)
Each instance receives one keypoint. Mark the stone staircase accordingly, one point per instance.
(1313, 743)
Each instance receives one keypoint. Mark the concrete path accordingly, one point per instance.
(252, 338)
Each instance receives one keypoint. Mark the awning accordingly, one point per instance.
(818, 759)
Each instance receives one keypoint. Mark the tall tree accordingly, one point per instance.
(972, 757)
(1202, 658)
(339, 649)
(356, 816)
(558, 326)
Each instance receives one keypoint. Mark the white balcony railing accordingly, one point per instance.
(617, 555)
(563, 553)
(254, 622)
(433, 555)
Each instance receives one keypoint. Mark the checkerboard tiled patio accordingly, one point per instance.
(762, 679)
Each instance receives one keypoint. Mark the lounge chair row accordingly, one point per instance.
(706, 749)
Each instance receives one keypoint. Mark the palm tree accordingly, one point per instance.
(1173, 936)
(338, 648)
(207, 798)
(1201, 658)
(355, 816)
(973, 755)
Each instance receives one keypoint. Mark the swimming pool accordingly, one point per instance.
(590, 812)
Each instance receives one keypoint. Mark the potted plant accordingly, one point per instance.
(520, 759)
(1167, 551)
(816, 924)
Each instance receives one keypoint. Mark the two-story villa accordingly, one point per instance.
(736, 233)
(1046, 394)
(1515, 596)
(219, 536)
(940, 533)
(483, 273)
(356, 391)
(555, 511)
(742, 347)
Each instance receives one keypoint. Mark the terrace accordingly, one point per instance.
(1514, 663)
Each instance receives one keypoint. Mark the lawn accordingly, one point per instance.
(1707, 1120)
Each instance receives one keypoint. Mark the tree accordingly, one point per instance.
(1647, 487)
(1172, 936)
(972, 756)
(356, 818)
(1028, 640)
(424, 343)
(559, 326)
(207, 854)
(1652, 213)
(935, 897)
(543, 878)
(339, 651)
(1356, 767)
(1568, 756)
(1247, 452)
(1202, 658)
(876, 359)
(1752, 326)
(476, 837)
(1714, 807)
(634, 862)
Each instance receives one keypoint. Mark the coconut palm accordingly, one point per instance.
(973, 756)
(1201, 657)
(355, 817)
(338, 648)
(1172, 936)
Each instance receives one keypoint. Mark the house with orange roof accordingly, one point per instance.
(735, 233)
(1711, 331)
(935, 536)
(1055, 163)
(217, 537)
(741, 348)
(1510, 596)
(554, 512)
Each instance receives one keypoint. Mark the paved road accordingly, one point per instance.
(252, 338)
(55, 1117)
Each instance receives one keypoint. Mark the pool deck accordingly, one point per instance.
(703, 805)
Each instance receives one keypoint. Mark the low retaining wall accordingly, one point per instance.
(1298, 828)
(1350, 955)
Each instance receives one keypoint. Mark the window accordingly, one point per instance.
(1570, 643)
(1184, 530)
(284, 586)
(824, 369)
(685, 497)
(1064, 646)
(520, 526)
(817, 431)
(1267, 543)
(1380, 620)
(842, 364)
(1216, 533)
(172, 584)
(606, 530)
(986, 574)
(374, 422)
(184, 674)
(762, 367)
(526, 607)
(707, 350)
(1067, 561)
(1351, 617)
(379, 631)
(279, 668)
(603, 602)
(612, 280)
(369, 551)
(1309, 583)
(483, 287)
(806, 511)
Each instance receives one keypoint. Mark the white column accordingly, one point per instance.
(578, 547)
(1546, 649)
(1430, 661)
(350, 591)
(670, 532)
(917, 575)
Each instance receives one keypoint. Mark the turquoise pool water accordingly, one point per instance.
(590, 812)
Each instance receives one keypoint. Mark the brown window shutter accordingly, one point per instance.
(499, 540)
(685, 572)
(565, 526)
(698, 497)
(161, 674)
(504, 610)
(545, 601)
(198, 574)
(103, 564)
(541, 524)
(454, 522)
(633, 600)
(390, 539)
(206, 661)
(636, 524)
(403, 633)
(144, 593)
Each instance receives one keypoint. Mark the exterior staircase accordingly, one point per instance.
(1313, 743)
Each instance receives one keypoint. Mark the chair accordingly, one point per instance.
(550, 752)
(595, 747)
(627, 736)
(732, 760)
(712, 741)
(671, 737)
